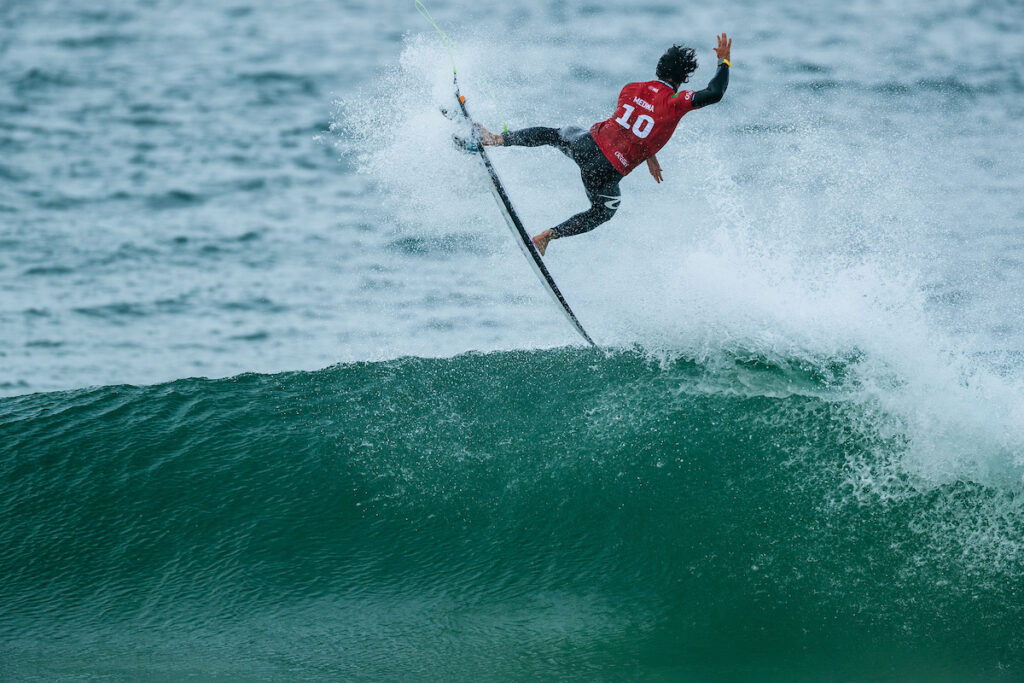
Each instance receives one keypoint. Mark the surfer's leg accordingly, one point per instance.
(526, 137)
(535, 137)
(604, 202)
(601, 181)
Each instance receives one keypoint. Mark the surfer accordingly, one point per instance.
(644, 120)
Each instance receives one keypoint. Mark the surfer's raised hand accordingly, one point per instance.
(724, 45)
(655, 168)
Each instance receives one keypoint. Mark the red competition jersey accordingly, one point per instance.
(643, 122)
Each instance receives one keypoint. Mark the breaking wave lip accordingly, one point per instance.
(508, 477)
(936, 447)
(470, 450)
(836, 303)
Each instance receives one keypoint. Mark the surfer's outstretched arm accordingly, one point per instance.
(716, 88)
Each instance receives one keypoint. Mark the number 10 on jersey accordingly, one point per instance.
(641, 127)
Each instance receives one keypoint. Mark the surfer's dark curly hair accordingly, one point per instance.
(676, 65)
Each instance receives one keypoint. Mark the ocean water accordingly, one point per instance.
(280, 399)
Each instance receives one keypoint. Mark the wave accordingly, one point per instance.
(535, 499)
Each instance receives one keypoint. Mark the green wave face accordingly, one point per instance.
(505, 515)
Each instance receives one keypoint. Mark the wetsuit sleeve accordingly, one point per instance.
(716, 88)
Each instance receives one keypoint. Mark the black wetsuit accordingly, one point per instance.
(600, 178)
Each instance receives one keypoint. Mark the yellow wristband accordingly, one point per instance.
(726, 62)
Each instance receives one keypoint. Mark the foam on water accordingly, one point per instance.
(775, 243)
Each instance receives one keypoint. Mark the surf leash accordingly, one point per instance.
(450, 45)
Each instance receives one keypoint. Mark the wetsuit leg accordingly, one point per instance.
(600, 180)
(535, 137)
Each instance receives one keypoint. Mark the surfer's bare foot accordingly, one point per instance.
(488, 138)
(541, 240)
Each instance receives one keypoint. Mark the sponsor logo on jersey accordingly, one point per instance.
(620, 157)
(645, 105)
(653, 88)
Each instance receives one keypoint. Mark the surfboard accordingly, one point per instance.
(516, 226)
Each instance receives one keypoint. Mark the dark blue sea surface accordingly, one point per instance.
(280, 398)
